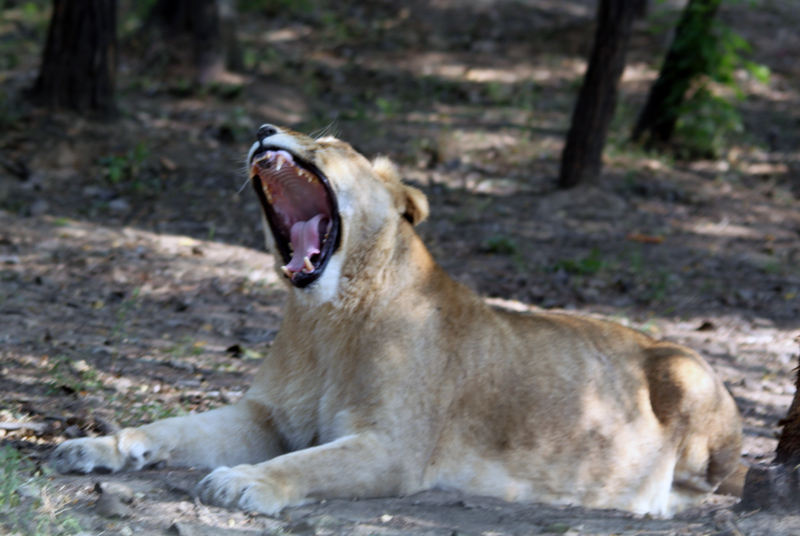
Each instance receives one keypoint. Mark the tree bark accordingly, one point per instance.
(211, 26)
(582, 157)
(685, 60)
(79, 59)
(788, 450)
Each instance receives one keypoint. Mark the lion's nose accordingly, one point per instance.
(265, 131)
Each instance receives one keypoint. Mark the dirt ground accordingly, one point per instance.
(134, 286)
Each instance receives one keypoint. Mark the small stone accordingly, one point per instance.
(120, 491)
(299, 527)
(39, 207)
(109, 505)
(98, 192)
(74, 431)
(556, 528)
(119, 206)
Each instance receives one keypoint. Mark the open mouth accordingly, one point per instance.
(301, 210)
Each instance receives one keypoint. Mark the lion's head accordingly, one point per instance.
(325, 205)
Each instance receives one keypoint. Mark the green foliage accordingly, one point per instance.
(122, 314)
(11, 477)
(133, 14)
(707, 116)
(500, 245)
(22, 30)
(74, 376)
(653, 283)
(9, 108)
(149, 411)
(388, 107)
(277, 7)
(589, 265)
(23, 510)
(124, 167)
(705, 124)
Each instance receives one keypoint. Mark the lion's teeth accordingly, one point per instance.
(307, 264)
(278, 162)
(287, 272)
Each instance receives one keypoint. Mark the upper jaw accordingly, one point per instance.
(300, 207)
(280, 140)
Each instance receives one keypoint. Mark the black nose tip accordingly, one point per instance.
(265, 131)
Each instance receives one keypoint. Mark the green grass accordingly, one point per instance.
(27, 507)
(588, 265)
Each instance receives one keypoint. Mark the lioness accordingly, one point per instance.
(388, 377)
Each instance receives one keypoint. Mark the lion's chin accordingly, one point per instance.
(301, 210)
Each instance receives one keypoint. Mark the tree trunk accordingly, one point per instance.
(583, 152)
(788, 451)
(642, 9)
(230, 43)
(79, 59)
(685, 60)
(211, 26)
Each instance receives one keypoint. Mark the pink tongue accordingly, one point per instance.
(305, 241)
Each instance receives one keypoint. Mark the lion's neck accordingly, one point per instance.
(378, 276)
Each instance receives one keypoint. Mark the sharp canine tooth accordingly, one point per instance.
(287, 272)
(307, 263)
(279, 162)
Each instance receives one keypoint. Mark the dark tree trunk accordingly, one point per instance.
(583, 152)
(79, 59)
(683, 63)
(788, 451)
(207, 34)
(642, 9)
(230, 43)
(210, 24)
(775, 487)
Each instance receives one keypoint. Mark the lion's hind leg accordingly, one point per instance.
(699, 416)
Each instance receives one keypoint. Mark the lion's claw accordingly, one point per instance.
(84, 455)
(241, 487)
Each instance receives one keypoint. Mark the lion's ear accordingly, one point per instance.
(416, 205)
(413, 204)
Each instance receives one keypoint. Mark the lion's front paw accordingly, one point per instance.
(86, 455)
(128, 449)
(245, 487)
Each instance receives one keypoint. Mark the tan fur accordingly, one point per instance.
(388, 378)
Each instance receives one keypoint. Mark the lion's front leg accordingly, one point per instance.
(359, 465)
(241, 433)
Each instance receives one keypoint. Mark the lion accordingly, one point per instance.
(388, 377)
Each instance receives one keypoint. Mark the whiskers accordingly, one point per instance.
(330, 130)
(244, 185)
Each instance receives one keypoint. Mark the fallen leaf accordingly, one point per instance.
(645, 239)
